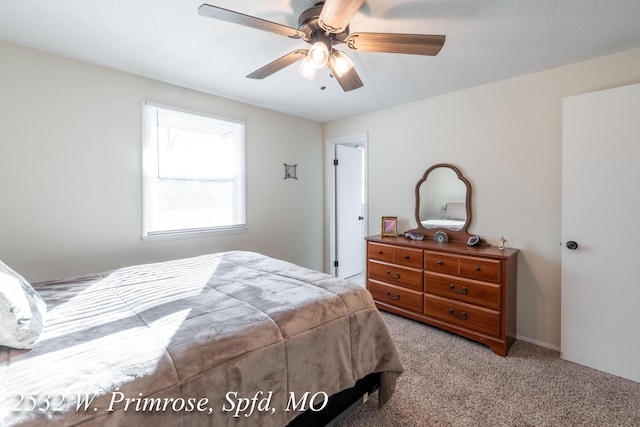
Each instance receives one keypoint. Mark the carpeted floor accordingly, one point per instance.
(452, 381)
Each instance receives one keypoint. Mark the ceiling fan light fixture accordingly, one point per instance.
(341, 64)
(318, 55)
(307, 69)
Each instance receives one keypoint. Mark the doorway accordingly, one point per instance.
(347, 205)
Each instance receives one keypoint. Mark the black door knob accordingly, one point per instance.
(571, 245)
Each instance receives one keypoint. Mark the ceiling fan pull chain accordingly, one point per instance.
(323, 87)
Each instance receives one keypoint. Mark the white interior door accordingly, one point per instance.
(349, 211)
(601, 212)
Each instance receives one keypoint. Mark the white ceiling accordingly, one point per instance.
(487, 40)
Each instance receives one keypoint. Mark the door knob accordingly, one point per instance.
(571, 245)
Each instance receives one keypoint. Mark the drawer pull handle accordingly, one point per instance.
(394, 276)
(397, 297)
(477, 268)
(406, 257)
(380, 251)
(463, 291)
(440, 262)
(462, 316)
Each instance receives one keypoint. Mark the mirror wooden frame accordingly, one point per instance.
(454, 236)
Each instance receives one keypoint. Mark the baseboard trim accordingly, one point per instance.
(540, 343)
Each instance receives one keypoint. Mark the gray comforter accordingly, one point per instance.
(226, 339)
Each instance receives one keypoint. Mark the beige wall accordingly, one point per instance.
(507, 139)
(70, 177)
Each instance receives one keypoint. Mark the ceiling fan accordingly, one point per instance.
(326, 26)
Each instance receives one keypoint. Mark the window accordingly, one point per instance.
(193, 169)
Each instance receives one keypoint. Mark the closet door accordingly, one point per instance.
(601, 214)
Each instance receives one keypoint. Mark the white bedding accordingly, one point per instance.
(450, 224)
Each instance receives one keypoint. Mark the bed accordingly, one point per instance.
(452, 217)
(227, 339)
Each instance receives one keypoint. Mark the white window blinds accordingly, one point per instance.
(193, 173)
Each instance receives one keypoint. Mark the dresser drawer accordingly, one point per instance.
(480, 269)
(483, 294)
(380, 252)
(410, 278)
(463, 315)
(406, 257)
(440, 263)
(398, 297)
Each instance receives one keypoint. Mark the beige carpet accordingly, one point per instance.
(452, 381)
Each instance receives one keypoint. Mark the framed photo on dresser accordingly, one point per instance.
(389, 226)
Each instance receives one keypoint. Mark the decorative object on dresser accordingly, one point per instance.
(440, 237)
(414, 236)
(464, 289)
(473, 241)
(389, 226)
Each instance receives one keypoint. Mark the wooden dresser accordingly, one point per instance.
(470, 291)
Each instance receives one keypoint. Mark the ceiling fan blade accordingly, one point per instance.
(415, 44)
(336, 14)
(348, 81)
(278, 64)
(248, 21)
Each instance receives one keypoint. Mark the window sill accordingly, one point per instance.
(160, 236)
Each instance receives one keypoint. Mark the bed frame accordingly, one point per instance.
(340, 405)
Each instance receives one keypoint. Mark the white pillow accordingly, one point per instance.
(455, 211)
(22, 310)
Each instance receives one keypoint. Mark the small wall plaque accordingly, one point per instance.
(290, 171)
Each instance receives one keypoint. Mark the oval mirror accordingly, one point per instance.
(443, 202)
